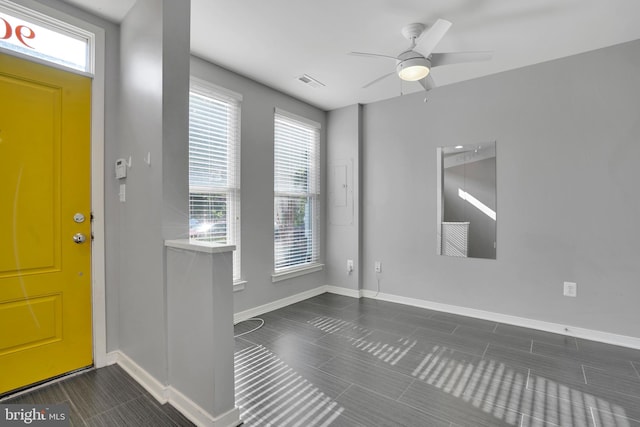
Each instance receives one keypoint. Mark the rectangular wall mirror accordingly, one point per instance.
(467, 215)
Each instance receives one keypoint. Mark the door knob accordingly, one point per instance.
(79, 238)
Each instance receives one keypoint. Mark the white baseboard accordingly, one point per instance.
(589, 334)
(275, 305)
(112, 358)
(167, 394)
(199, 416)
(338, 290)
(158, 390)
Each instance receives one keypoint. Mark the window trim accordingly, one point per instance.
(315, 265)
(206, 88)
(280, 112)
(278, 276)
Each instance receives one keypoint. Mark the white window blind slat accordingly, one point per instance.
(296, 192)
(214, 167)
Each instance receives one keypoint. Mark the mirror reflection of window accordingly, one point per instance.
(467, 216)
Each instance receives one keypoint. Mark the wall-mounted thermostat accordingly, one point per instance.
(121, 168)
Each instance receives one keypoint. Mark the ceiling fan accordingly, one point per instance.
(415, 63)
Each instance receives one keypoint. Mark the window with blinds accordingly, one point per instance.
(214, 167)
(296, 192)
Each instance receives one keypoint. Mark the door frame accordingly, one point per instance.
(98, 250)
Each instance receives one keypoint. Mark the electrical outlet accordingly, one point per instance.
(570, 289)
(349, 266)
(378, 267)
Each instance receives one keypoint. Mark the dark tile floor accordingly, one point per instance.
(105, 397)
(339, 361)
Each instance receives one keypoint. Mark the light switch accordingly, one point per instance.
(570, 289)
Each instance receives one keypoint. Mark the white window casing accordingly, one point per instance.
(296, 194)
(214, 167)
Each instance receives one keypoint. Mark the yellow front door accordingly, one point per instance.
(45, 184)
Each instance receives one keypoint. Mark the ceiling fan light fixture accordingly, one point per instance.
(413, 69)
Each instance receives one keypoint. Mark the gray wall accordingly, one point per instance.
(567, 175)
(153, 119)
(343, 188)
(257, 184)
(111, 203)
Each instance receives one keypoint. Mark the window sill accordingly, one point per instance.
(239, 285)
(289, 274)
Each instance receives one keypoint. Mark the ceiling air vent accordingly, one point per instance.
(308, 80)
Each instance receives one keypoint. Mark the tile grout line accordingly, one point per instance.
(519, 411)
(634, 368)
(72, 403)
(539, 392)
(613, 414)
(161, 412)
(319, 367)
(485, 350)
(406, 389)
(401, 403)
(335, 399)
(175, 421)
(115, 407)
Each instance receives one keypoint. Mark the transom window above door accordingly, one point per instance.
(47, 39)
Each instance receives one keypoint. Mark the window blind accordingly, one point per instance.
(214, 167)
(296, 192)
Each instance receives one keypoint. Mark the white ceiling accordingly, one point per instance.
(276, 41)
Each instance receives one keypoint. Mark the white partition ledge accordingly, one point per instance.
(199, 246)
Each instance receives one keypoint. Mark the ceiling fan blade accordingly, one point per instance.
(432, 37)
(438, 59)
(371, 55)
(427, 83)
(378, 79)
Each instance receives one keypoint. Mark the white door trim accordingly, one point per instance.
(98, 267)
